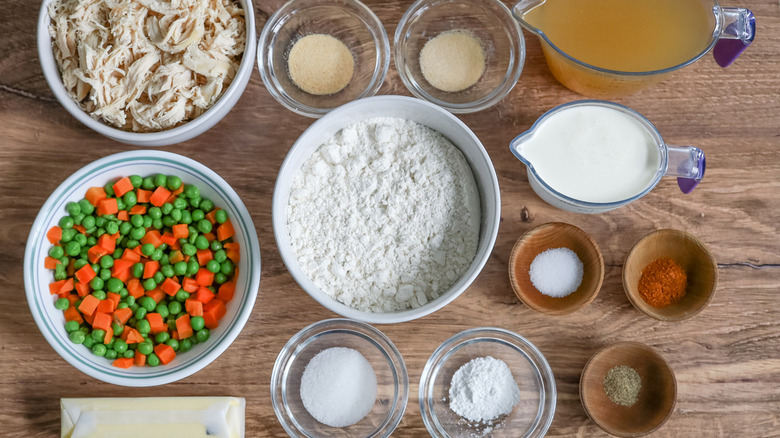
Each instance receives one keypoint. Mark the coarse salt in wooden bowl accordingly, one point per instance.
(548, 236)
(687, 251)
(657, 396)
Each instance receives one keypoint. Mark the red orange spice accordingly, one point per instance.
(663, 282)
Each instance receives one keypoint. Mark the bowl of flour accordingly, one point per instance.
(386, 209)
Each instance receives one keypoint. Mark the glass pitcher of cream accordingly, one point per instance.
(592, 156)
(612, 48)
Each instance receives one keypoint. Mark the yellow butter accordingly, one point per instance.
(153, 417)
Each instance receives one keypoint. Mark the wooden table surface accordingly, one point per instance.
(726, 359)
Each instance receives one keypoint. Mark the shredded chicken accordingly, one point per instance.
(147, 65)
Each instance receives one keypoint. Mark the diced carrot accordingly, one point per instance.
(135, 288)
(212, 216)
(54, 234)
(190, 285)
(72, 314)
(225, 231)
(95, 253)
(109, 335)
(160, 195)
(122, 186)
(121, 316)
(102, 321)
(133, 337)
(124, 276)
(80, 229)
(226, 291)
(72, 298)
(107, 242)
(209, 236)
(231, 245)
(153, 237)
(95, 195)
(123, 216)
(150, 268)
(204, 277)
(168, 239)
(50, 263)
(180, 231)
(138, 251)
(131, 256)
(156, 322)
(82, 289)
(193, 307)
(156, 294)
(106, 306)
(121, 266)
(138, 209)
(171, 199)
(165, 353)
(176, 257)
(68, 286)
(204, 295)
(116, 298)
(85, 274)
(89, 318)
(204, 255)
(143, 196)
(54, 288)
(178, 191)
(183, 326)
(212, 312)
(88, 305)
(170, 286)
(139, 359)
(107, 206)
(123, 362)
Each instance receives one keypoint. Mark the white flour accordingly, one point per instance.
(385, 215)
(483, 389)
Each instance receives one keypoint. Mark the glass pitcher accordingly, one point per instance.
(729, 31)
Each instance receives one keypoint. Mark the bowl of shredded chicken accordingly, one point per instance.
(147, 72)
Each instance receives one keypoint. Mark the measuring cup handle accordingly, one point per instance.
(739, 29)
(687, 164)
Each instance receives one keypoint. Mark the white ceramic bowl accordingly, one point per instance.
(185, 132)
(421, 112)
(51, 321)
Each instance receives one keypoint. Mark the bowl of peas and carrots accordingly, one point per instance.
(142, 268)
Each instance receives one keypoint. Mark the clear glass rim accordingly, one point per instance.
(713, 40)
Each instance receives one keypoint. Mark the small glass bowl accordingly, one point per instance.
(530, 418)
(392, 379)
(490, 21)
(351, 22)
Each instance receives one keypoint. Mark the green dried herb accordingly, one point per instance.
(622, 385)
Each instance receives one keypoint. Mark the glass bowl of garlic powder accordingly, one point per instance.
(463, 55)
(316, 55)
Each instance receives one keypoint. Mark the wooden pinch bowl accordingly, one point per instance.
(548, 236)
(687, 251)
(657, 397)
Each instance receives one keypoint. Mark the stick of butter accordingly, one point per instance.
(153, 417)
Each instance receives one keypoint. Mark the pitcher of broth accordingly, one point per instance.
(612, 48)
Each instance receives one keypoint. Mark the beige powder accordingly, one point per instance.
(320, 64)
(452, 61)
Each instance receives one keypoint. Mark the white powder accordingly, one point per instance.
(556, 272)
(483, 389)
(338, 387)
(385, 215)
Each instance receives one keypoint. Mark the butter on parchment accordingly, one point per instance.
(153, 417)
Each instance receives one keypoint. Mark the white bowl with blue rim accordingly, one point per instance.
(51, 321)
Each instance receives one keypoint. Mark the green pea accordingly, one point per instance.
(175, 216)
(132, 243)
(78, 218)
(148, 183)
(78, 264)
(105, 274)
(158, 277)
(220, 278)
(147, 221)
(80, 239)
(72, 248)
(62, 304)
(174, 308)
(173, 183)
(114, 285)
(99, 349)
(130, 199)
(179, 203)
(182, 296)
(215, 245)
(98, 335)
(161, 337)
(106, 261)
(99, 232)
(221, 216)
(162, 309)
(202, 335)
(201, 242)
(160, 180)
(198, 215)
(77, 336)
(157, 224)
(154, 213)
(204, 226)
(120, 204)
(100, 221)
(180, 268)
(125, 228)
(173, 343)
(65, 261)
(189, 249)
(130, 300)
(147, 249)
(122, 305)
(168, 221)
(228, 268)
(88, 222)
(197, 322)
(86, 207)
(213, 266)
(112, 228)
(166, 208)
(152, 360)
(143, 327)
(186, 218)
(73, 208)
(145, 347)
(56, 252)
(150, 284)
(140, 313)
(136, 181)
(109, 188)
(111, 354)
(137, 270)
(66, 222)
(129, 354)
(88, 342)
(120, 346)
(191, 191)
(58, 276)
(137, 220)
(220, 256)
(99, 294)
(148, 303)
(137, 233)
(167, 271)
(206, 205)
(116, 327)
(156, 254)
(96, 283)
(192, 267)
(185, 345)
(71, 326)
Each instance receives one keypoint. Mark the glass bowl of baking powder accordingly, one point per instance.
(529, 413)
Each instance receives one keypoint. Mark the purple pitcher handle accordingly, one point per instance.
(739, 29)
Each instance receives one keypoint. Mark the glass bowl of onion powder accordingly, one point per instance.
(315, 55)
(487, 382)
(463, 55)
(339, 378)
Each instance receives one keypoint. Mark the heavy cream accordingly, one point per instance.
(593, 154)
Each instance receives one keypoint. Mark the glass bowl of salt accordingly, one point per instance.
(339, 377)
(487, 382)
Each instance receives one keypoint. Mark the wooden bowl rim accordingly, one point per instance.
(617, 346)
(524, 238)
(669, 233)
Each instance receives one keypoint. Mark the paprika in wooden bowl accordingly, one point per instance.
(670, 275)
